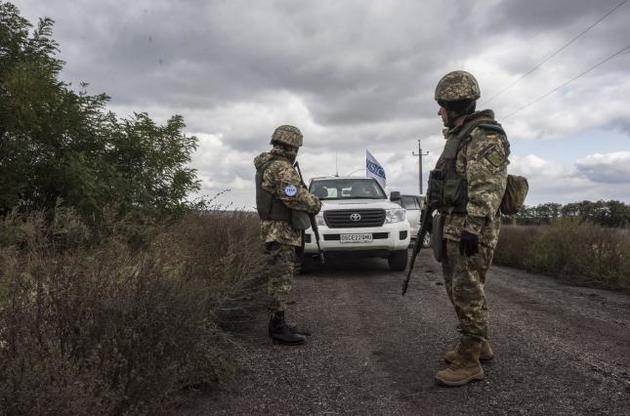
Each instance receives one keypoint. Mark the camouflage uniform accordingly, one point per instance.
(482, 159)
(281, 239)
(467, 187)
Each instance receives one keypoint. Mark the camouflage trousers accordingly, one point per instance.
(281, 266)
(464, 279)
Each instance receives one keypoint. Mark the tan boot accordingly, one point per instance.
(485, 355)
(465, 368)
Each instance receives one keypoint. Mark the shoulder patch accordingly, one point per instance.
(493, 156)
(290, 190)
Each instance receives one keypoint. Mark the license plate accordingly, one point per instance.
(356, 238)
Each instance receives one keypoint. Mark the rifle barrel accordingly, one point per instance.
(416, 249)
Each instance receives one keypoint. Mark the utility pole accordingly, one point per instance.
(420, 155)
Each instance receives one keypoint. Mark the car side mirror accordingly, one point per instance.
(394, 196)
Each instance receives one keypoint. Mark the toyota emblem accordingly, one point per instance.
(355, 216)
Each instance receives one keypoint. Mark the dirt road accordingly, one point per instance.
(560, 350)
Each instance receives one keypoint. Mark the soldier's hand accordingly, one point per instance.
(468, 244)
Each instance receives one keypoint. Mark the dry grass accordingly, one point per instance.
(98, 323)
(582, 253)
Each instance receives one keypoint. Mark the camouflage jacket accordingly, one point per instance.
(279, 176)
(482, 159)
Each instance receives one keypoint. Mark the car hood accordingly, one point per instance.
(358, 204)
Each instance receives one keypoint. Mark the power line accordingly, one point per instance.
(563, 47)
(619, 52)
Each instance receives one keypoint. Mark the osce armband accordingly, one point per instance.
(290, 190)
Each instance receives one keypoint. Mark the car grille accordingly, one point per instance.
(342, 218)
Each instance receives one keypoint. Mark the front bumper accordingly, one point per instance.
(389, 237)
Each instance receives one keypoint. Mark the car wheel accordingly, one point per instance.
(398, 260)
(427, 240)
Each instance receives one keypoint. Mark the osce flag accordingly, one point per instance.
(374, 169)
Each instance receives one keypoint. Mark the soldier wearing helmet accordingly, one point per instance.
(283, 204)
(466, 188)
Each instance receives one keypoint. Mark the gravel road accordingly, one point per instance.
(560, 350)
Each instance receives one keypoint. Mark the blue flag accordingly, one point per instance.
(373, 169)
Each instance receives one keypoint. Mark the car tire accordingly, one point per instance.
(427, 240)
(398, 260)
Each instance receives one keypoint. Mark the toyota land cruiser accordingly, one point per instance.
(358, 217)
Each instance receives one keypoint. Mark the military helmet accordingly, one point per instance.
(287, 135)
(457, 86)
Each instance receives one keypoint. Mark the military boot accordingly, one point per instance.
(485, 355)
(294, 329)
(281, 333)
(465, 368)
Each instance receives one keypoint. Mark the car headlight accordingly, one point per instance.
(395, 215)
(320, 219)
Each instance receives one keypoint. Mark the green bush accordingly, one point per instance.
(579, 252)
(93, 325)
(59, 144)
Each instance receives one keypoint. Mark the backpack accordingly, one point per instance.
(515, 193)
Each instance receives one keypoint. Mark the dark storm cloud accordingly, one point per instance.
(541, 15)
(351, 74)
(351, 62)
(347, 62)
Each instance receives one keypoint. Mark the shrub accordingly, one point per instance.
(91, 324)
(579, 252)
(59, 143)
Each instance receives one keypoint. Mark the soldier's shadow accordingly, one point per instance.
(345, 266)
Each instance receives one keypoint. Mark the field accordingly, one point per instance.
(578, 252)
(123, 319)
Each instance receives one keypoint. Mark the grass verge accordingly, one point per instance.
(580, 253)
(120, 321)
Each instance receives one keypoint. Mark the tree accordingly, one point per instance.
(60, 145)
(608, 213)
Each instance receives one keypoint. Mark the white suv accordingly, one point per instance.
(358, 217)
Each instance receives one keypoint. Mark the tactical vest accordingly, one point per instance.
(268, 205)
(448, 190)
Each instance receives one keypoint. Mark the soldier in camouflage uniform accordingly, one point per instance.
(283, 203)
(466, 187)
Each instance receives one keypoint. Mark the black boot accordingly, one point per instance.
(295, 330)
(281, 333)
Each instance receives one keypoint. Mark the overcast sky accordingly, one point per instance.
(361, 74)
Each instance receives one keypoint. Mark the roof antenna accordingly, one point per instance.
(336, 164)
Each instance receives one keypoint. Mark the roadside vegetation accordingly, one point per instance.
(117, 294)
(605, 213)
(103, 322)
(572, 249)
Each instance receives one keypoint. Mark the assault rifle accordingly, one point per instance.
(426, 222)
(311, 218)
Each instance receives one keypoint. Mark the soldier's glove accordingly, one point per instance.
(468, 244)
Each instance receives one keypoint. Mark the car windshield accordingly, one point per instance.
(347, 189)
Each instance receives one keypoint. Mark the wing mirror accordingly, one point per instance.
(394, 196)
